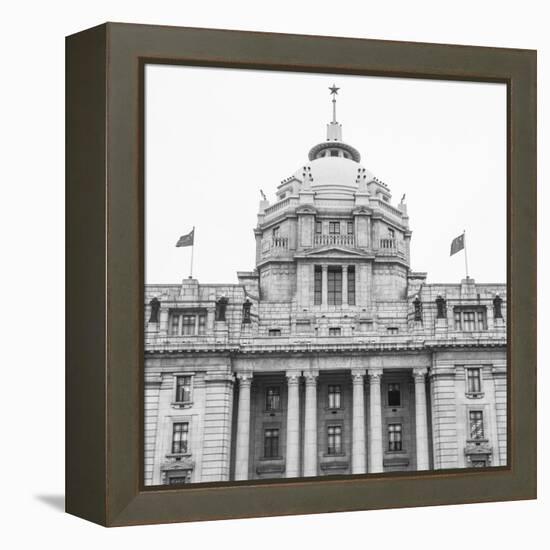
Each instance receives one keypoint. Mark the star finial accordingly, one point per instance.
(333, 92)
(333, 89)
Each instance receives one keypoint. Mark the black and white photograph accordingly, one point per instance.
(325, 275)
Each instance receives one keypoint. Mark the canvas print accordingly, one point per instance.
(325, 277)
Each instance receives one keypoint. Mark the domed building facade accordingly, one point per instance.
(331, 356)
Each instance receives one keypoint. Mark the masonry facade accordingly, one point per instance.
(331, 356)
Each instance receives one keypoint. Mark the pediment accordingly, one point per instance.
(333, 252)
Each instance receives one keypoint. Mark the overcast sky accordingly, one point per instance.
(215, 137)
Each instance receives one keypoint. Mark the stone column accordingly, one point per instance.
(324, 285)
(344, 285)
(422, 456)
(310, 426)
(293, 425)
(376, 452)
(243, 427)
(358, 453)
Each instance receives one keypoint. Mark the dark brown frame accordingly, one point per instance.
(104, 221)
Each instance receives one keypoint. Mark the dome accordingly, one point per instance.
(334, 176)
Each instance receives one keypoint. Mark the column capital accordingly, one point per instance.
(244, 378)
(344, 267)
(311, 377)
(324, 267)
(375, 374)
(358, 375)
(419, 374)
(293, 377)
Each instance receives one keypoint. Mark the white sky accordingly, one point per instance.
(215, 137)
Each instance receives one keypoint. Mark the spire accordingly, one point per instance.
(334, 130)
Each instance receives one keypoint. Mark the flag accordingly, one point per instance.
(187, 240)
(457, 245)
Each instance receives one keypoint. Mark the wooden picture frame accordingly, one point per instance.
(105, 273)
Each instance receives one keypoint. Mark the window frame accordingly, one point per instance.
(477, 380)
(334, 285)
(334, 227)
(351, 285)
(471, 426)
(335, 331)
(177, 377)
(271, 451)
(336, 402)
(390, 391)
(477, 318)
(269, 406)
(187, 439)
(317, 285)
(395, 437)
(336, 437)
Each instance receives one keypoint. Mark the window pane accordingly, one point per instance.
(174, 324)
(188, 326)
(334, 286)
(394, 395)
(183, 389)
(318, 285)
(394, 437)
(179, 437)
(476, 425)
(271, 443)
(334, 396)
(273, 398)
(334, 440)
(474, 380)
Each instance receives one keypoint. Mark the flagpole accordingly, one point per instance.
(192, 250)
(465, 254)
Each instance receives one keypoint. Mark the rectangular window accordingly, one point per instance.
(177, 480)
(180, 435)
(395, 440)
(351, 286)
(479, 463)
(474, 380)
(183, 389)
(334, 331)
(391, 233)
(334, 440)
(318, 227)
(470, 319)
(394, 395)
(318, 290)
(275, 232)
(174, 325)
(202, 324)
(187, 324)
(393, 330)
(334, 284)
(274, 332)
(334, 228)
(273, 398)
(271, 443)
(350, 228)
(476, 425)
(334, 396)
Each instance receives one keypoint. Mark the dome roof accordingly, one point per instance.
(333, 176)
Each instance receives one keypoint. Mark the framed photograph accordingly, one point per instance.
(301, 274)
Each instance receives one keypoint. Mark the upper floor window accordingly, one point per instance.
(334, 396)
(476, 425)
(334, 288)
(394, 395)
(391, 233)
(273, 398)
(334, 440)
(393, 330)
(395, 439)
(470, 319)
(187, 323)
(334, 228)
(276, 232)
(183, 389)
(274, 332)
(318, 290)
(334, 331)
(351, 285)
(350, 228)
(473, 376)
(271, 443)
(318, 227)
(180, 437)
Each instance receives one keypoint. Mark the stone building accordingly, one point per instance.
(331, 356)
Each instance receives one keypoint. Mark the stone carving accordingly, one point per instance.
(246, 311)
(221, 306)
(441, 304)
(497, 307)
(417, 309)
(155, 308)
